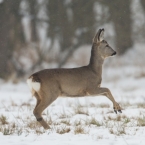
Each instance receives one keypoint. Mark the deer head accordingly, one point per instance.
(102, 47)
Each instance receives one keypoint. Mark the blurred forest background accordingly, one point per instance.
(35, 33)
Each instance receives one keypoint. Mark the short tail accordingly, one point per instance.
(33, 85)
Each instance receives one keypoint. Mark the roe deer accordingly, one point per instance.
(48, 84)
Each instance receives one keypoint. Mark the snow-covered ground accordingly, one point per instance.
(82, 120)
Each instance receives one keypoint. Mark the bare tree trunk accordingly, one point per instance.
(59, 24)
(84, 19)
(81, 26)
(11, 35)
(33, 8)
(143, 4)
(120, 14)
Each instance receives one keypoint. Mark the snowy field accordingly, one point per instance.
(87, 121)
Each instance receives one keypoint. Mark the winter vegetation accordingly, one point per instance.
(39, 34)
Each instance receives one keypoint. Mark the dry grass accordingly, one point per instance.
(100, 105)
(118, 118)
(33, 124)
(30, 126)
(126, 120)
(3, 120)
(95, 122)
(104, 106)
(121, 130)
(141, 121)
(66, 122)
(64, 116)
(49, 120)
(9, 129)
(93, 105)
(79, 121)
(111, 131)
(39, 132)
(63, 129)
(79, 130)
(100, 137)
(117, 130)
(81, 110)
(141, 105)
(141, 74)
(137, 105)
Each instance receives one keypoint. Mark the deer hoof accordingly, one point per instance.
(44, 124)
(119, 111)
(115, 111)
(117, 108)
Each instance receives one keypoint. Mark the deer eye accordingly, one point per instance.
(107, 45)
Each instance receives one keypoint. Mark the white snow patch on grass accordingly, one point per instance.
(76, 121)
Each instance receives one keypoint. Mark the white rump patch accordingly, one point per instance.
(36, 86)
(33, 85)
(29, 82)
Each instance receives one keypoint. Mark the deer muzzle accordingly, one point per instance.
(114, 53)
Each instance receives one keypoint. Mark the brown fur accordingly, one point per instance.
(74, 82)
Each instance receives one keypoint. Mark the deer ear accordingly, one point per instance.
(99, 36)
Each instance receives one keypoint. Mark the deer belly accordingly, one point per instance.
(73, 91)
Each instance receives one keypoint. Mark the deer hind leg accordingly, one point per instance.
(41, 105)
(38, 99)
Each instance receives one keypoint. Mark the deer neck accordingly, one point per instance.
(96, 61)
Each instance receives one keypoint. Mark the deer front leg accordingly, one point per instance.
(106, 92)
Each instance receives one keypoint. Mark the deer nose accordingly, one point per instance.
(114, 53)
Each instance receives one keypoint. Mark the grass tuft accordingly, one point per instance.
(141, 121)
(79, 130)
(63, 130)
(3, 120)
(95, 122)
(66, 121)
(80, 110)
